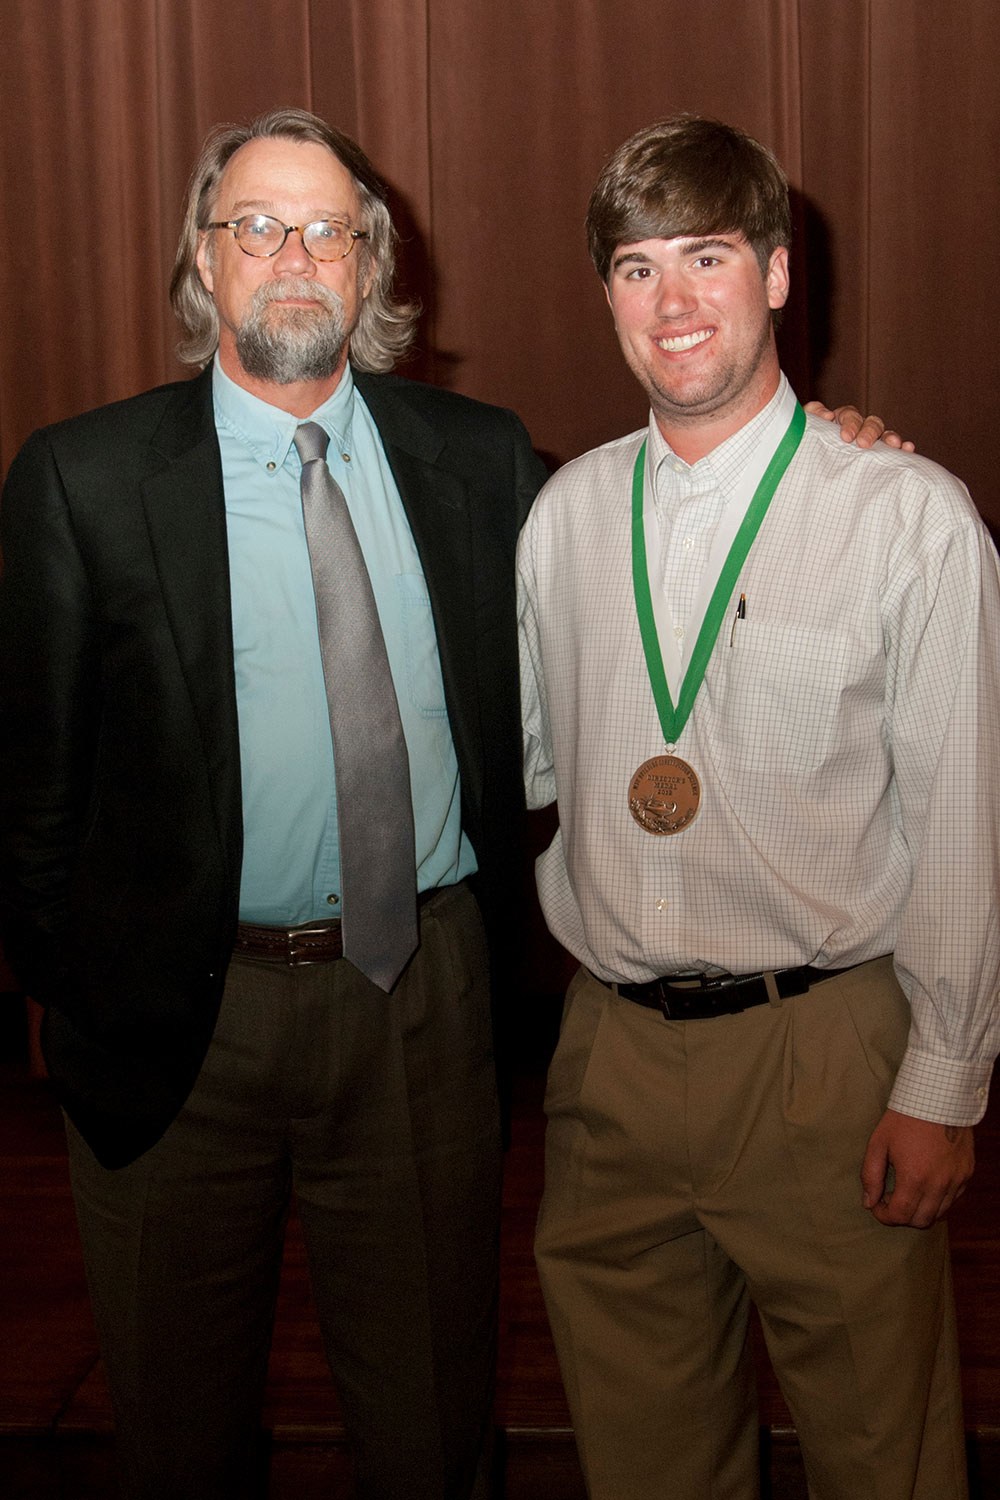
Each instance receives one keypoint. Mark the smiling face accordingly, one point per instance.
(693, 317)
(285, 319)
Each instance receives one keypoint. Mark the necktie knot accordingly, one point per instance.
(312, 441)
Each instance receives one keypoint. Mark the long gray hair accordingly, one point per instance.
(386, 325)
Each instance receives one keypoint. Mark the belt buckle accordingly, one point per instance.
(682, 988)
(299, 955)
(707, 985)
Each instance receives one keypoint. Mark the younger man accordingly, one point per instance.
(761, 678)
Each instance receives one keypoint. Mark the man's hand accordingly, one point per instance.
(865, 431)
(931, 1163)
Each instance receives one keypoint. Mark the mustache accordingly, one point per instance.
(297, 286)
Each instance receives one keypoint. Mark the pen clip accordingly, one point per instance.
(741, 614)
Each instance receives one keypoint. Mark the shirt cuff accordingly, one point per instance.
(941, 1089)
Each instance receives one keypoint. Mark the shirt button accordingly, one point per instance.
(271, 466)
(333, 900)
(688, 543)
(980, 1093)
(662, 903)
(679, 632)
(346, 457)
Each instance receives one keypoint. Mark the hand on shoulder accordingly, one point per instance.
(854, 428)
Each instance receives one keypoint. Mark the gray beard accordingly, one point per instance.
(289, 344)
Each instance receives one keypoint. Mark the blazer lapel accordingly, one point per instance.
(186, 518)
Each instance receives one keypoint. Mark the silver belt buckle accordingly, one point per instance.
(296, 954)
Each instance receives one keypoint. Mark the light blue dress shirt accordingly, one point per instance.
(291, 856)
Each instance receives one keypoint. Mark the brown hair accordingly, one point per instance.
(385, 326)
(692, 177)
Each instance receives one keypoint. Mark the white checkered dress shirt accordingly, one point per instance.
(845, 735)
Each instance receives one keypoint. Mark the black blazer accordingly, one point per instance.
(120, 805)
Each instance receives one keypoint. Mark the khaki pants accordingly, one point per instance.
(691, 1166)
(380, 1111)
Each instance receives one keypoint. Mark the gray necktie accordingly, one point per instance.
(374, 811)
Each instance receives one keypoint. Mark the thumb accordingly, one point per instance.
(873, 1170)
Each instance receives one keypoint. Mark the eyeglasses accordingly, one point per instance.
(324, 239)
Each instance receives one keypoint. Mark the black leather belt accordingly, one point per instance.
(698, 997)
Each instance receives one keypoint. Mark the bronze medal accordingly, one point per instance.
(664, 794)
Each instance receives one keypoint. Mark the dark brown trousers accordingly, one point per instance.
(380, 1112)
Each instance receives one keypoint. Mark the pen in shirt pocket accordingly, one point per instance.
(741, 614)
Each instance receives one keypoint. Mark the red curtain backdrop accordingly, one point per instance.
(491, 119)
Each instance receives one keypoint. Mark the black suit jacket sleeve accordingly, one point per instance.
(49, 667)
(120, 818)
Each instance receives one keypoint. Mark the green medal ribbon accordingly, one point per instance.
(672, 720)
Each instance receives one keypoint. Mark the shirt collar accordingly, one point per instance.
(266, 430)
(724, 465)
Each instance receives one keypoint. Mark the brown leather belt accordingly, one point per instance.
(309, 943)
(699, 997)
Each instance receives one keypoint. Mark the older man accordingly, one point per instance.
(761, 676)
(202, 776)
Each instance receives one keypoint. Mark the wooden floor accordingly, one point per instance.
(55, 1441)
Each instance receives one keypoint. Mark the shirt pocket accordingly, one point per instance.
(788, 697)
(424, 685)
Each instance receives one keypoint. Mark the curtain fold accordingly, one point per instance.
(491, 122)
